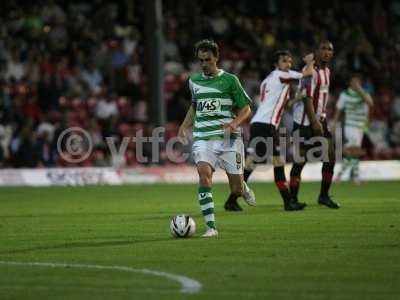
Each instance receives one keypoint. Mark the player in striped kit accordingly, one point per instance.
(275, 93)
(216, 95)
(310, 120)
(354, 102)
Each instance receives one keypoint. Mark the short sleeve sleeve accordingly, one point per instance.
(295, 75)
(190, 84)
(240, 97)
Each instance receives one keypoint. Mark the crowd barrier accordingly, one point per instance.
(369, 171)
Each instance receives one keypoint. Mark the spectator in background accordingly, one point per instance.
(49, 91)
(106, 107)
(92, 77)
(23, 149)
(395, 119)
(45, 127)
(15, 69)
(43, 146)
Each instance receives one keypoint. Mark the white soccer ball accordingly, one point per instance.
(182, 226)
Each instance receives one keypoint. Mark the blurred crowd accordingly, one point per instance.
(82, 64)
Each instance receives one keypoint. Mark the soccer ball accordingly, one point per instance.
(182, 226)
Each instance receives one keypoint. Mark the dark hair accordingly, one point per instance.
(207, 45)
(355, 75)
(323, 42)
(280, 53)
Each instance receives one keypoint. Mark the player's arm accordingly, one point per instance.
(309, 67)
(298, 96)
(189, 118)
(243, 115)
(336, 118)
(365, 96)
(242, 101)
(315, 123)
(309, 105)
(186, 124)
(338, 111)
(306, 74)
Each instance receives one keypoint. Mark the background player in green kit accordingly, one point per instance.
(354, 102)
(217, 141)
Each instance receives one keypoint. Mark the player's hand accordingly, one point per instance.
(290, 103)
(231, 125)
(332, 127)
(309, 58)
(182, 136)
(317, 128)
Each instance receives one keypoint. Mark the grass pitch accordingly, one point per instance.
(261, 253)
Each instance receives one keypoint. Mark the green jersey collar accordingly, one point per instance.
(220, 72)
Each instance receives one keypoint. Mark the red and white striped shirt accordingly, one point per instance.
(274, 94)
(319, 91)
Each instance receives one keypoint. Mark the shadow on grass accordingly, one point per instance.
(160, 216)
(83, 244)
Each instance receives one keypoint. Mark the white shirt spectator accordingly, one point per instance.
(15, 69)
(106, 109)
(6, 133)
(46, 127)
(93, 78)
(53, 12)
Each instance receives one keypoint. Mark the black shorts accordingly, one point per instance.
(264, 142)
(306, 133)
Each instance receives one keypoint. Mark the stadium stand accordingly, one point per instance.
(82, 64)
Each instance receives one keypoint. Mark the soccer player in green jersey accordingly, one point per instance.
(217, 141)
(354, 102)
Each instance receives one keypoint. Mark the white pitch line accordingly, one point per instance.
(188, 285)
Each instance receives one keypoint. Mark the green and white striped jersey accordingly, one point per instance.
(215, 99)
(355, 108)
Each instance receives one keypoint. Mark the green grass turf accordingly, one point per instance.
(261, 253)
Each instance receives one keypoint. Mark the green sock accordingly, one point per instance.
(207, 206)
(345, 165)
(355, 167)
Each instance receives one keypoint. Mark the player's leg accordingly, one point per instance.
(236, 184)
(234, 170)
(247, 193)
(295, 179)
(280, 181)
(231, 203)
(327, 173)
(206, 160)
(279, 170)
(346, 164)
(305, 133)
(354, 143)
(351, 160)
(355, 170)
(232, 161)
(205, 197)
(348, 152)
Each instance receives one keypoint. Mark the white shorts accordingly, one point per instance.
(353, 136)
(227, 155)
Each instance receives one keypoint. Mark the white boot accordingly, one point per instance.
(249, 195)
(211, 232)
